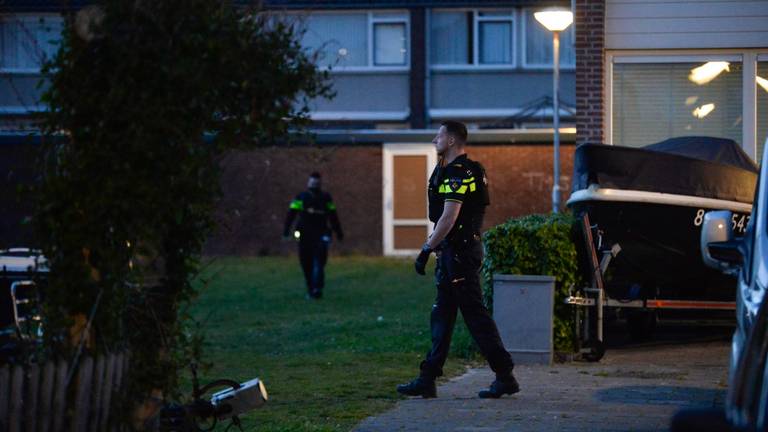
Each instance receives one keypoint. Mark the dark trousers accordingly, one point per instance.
(313, 254)
(458, 288)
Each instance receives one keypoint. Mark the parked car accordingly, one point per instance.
(746, 258)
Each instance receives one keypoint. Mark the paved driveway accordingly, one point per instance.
(633, 388)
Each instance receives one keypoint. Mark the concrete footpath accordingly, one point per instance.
(631, 389)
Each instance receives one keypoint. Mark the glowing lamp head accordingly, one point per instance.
(554, 20)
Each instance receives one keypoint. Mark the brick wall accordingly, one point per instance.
(258, 186)
(590, 76)
(520, 179)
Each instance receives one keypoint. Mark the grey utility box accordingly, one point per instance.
(522, 308)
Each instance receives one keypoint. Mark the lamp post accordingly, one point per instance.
(555, 20)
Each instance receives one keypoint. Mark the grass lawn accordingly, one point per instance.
(326, 364)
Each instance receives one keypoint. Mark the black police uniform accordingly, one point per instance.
(315, 209)
(457, 273)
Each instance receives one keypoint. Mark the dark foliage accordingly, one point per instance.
(150, 95)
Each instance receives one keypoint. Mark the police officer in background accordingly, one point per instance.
(458, 195)
(315, 210)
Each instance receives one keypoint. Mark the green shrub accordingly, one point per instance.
(129, 183)
(537, 245)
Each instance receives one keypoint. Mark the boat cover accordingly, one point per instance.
(720, 150)
(695, 166)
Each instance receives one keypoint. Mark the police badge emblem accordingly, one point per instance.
(454, 185)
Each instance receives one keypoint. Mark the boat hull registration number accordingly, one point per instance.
(739, 221)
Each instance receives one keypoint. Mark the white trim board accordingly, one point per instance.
(463, 113)
(472, 68)
(367, 70)
(405, 137)
(21, 71)
(359, 115)
(16, 110)
(674, 58)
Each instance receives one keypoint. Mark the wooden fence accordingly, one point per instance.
(35, 397)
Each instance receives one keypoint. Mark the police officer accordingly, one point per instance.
(315, 210)
(458, 195)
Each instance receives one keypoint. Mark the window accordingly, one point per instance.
(656, 99)
(472, 38)
(340, 38)
(358, 40)
(538, 44)
(762, 105)
(449, 38)
(27, 41)
(495, 37)
(389, 44)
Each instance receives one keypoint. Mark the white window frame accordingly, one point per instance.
(389, 151)
(26, 17)
(759, 56)
(372, 21)
(405, 18)
(476, 19)
(541, 66)
(747, 57)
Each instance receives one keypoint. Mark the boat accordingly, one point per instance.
(23, 271)
(651, 201)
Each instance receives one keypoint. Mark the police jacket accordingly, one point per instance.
(315, 210)
(462, 180)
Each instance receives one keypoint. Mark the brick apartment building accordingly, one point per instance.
(399, 68)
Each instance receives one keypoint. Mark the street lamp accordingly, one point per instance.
(555, 20)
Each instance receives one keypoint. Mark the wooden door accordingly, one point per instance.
(406, 172)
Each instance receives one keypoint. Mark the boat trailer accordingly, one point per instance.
(589, 328)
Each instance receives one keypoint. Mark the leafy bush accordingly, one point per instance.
(537, 245)
(127, 197)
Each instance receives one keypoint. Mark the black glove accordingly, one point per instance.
(421, 260)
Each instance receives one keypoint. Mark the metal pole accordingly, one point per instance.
(556, 119)
(600, 302)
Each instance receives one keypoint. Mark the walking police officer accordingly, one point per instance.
(315, 210)
(458, 195)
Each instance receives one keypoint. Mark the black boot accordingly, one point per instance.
(500, 387)
(421, 386)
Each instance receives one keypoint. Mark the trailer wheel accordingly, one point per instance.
(641, 324)
(593, 350)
